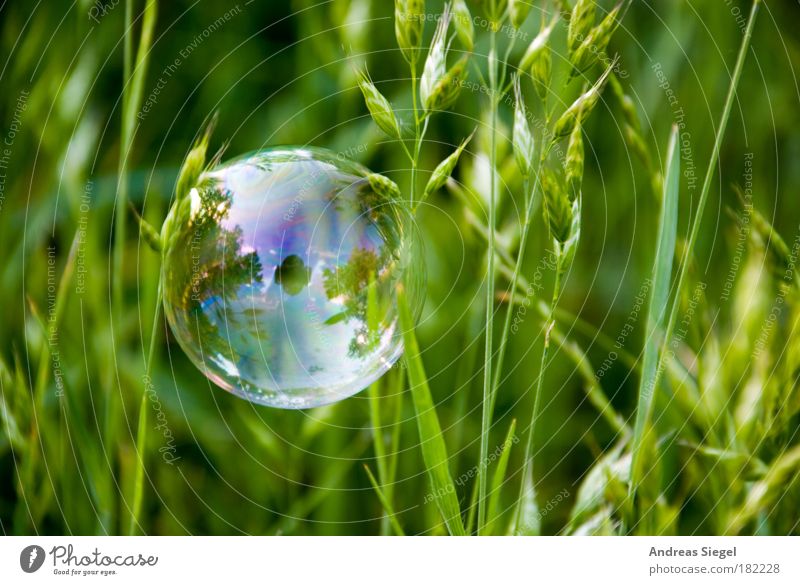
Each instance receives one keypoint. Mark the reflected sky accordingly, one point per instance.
(280, 286)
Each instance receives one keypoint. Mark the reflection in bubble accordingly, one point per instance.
(280, 277)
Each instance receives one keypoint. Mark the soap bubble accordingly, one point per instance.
(280, 275)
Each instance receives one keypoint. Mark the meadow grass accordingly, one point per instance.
(691, 428)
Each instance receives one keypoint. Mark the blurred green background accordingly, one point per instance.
(281, 73)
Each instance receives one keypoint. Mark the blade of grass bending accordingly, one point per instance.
(659, 299)
(387, 507)
(138, 481)
(499, 477)
(434, 450)
(132, 91)
(642, 415)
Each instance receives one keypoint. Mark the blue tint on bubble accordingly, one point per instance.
(280, 277)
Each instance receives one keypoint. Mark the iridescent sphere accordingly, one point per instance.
(280, 276)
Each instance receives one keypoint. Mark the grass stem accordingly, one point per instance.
(486, 413)
(645, 406)
(141, 434)
(527, 464)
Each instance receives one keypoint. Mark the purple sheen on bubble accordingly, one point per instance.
(280, 277)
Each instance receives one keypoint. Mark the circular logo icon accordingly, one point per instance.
(31, 558)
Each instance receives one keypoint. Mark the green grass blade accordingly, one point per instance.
(643, 407)
(434, 450)
(472, 511)
(527, 519)
(387, 506)
(396, 384)
(138, 482)
(499, 477)
(45, 436)
(659, 298)
(141, 433)
(132, 92)
(486, 403)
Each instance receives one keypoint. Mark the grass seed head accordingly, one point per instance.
(444, 169)
(556, 206)
(147, 232)
(409, 25)
(767, 237)
(523, 139)
(580, 23)
(625, 102)
(594, 45)
(497, 11)
(518, 10)
(542, 72)
(379, 107)
(462, 21)
(384, 186)
(538, 44)
(447, 89)
(581, 107)
(436, 62)
(636, 143)
(567, 249)
(195, 162)
(575, 157)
